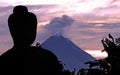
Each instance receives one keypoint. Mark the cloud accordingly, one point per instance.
(113, 2)
(84, 30)
(85, 34)
(40, 7)
(56, 26)
(109, 10)
(5, 9)
(97, 18)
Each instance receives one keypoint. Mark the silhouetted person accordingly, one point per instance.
(22, 58)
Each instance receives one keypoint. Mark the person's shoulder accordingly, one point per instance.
(8, 54)
(11, 16)
(31, 14)
(45, 52)
(32, 17)
(40, 49)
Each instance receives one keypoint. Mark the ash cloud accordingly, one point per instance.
(56, 26)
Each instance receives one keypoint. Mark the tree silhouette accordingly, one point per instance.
(112, 47)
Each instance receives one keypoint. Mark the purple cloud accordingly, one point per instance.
(56, 26)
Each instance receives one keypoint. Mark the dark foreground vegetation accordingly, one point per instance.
(107, 66)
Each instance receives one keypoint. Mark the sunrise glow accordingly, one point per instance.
(86, 6)
(36, 2)
(97, 54)
(77, 5)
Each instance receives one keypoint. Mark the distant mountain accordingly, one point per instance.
(67, 52)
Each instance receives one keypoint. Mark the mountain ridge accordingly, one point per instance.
(67, 52)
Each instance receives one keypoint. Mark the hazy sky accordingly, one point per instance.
(85, 22)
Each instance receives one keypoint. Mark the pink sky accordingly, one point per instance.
(93, 20)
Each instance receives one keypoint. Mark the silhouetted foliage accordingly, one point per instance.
(81, 72)
(112, 47)
(38, 44)
(98, 67)
(101, 63)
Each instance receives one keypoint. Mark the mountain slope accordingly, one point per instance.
(67, 52)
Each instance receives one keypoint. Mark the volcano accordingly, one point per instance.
(67, 52)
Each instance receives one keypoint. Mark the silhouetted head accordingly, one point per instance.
(23, 26)
(20, 9)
